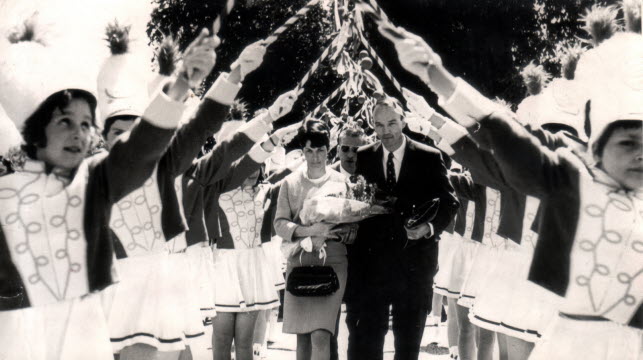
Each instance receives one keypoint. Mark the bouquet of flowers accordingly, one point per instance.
(341, 203)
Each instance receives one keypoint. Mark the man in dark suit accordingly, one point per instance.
(391, 266)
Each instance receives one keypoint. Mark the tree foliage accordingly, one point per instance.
(485, 41)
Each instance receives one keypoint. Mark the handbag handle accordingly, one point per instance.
(322, 251)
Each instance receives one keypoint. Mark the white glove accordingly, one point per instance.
(307, 244)
(199, 58)
(283, 105)
(287, 133)
(251, 58)
(417, 104)
(415, 55)
(418, 124)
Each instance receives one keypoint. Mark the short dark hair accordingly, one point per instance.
(110, 121)
(33, 131)
(599, 145)
(316, 131)
(351, 131)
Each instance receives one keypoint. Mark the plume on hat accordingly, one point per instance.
(632, 15)
(600, 23)
(535, 78)
(124, 77)
(25, 32)
(117, 37)
(569, 60)
(31, 71)
(167, 56)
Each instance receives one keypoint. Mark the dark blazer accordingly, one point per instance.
(423, 177)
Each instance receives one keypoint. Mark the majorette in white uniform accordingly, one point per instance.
(595, 262)
(156, 303)
(55, 250)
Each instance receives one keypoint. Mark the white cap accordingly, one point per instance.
(8, 133)
(123, 86)
(613, 78)
(529, 110)
(562, 103)
(31, 72)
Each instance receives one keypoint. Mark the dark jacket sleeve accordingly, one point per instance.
(463, 185)
(528, 166)
(448, 201)
(189, 138)
(481, 163)
(133, 158)
(213, 167)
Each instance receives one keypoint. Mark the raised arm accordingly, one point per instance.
(213, 109)
(214, 166)
(206, 120)
(134, 156)
(527, 165)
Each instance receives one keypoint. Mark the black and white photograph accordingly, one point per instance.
(321, 180)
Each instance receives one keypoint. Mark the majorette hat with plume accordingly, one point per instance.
(535, 78)
(31, 71)
(123, 79)
(613, 81)
(562, 102)
(600, 23)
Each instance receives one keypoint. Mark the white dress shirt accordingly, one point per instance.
(344, 172)
(398, 155)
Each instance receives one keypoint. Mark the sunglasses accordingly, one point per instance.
(346, 148)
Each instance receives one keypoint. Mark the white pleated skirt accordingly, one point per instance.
(455, 259)
(201, 262)
(483, 261)
(276, 260)
(70, 330)
(494, 293)
(245, 280)
(154, 304)
(588, 340)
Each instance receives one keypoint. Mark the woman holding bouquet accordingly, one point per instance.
(312, 318)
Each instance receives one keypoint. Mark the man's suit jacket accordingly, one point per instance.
(423, 177)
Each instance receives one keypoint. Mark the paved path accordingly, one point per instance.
(284, 347)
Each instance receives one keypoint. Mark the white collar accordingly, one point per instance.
(344, 172)
(397, 154)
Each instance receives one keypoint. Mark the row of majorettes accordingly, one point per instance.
(546, 250)
(96, 255)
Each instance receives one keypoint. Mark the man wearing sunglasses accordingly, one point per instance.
(350, 139)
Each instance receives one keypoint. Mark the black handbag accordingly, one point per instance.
(312, 281)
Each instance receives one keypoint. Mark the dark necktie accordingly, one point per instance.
(390, 171)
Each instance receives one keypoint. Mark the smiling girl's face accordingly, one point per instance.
(68, 135)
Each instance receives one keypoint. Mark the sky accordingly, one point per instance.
(80, 24)
(76, 27)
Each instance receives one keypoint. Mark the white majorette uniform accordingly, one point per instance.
(594, 263)
(503, 280)
(55, 247)
(245, 275)
(234, 140)
(158, 303)
(459, 247)
(528, 308)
